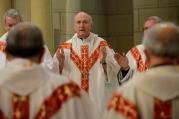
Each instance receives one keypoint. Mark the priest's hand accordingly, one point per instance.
(61, 57)
(102, 55)
(122, 60)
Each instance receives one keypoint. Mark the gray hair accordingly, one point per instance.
(155, 18)
(12, 13)
(89, 16)
(164, 45)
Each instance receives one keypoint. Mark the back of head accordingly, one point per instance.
(24, 40)
(162, 40)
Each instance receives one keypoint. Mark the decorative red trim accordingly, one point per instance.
(76, 59)
(2, 46)
(137, 56)
(20, 107)
(162, 110)
(55, 101)
(94, 56)
(85, 63)
(103, 43)
(123, 106)
(84, 68)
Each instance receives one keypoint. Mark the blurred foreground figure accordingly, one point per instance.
(29, 91)
(11, 18)
(153, 94)
(135, 59)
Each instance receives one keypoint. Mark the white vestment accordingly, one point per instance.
(3, 37)
(153, 94)
(137, 61)
(30, 91)
(82, 63)
(46, 62)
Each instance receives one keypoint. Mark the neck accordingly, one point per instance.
(155, 61)
(82, 37)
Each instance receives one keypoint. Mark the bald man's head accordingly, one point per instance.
(24, 40)
(163, 40)
(83, 24)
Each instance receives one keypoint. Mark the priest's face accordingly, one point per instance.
(10, 22)
(82, 25)
(148, 24)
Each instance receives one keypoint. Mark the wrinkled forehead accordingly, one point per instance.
(82, 17)
(14, 19)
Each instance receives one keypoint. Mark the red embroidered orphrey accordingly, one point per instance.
(20, 107)
(141, 66)
(55, 101)
(86, 62)
(2, 46)
(162, 110)
(48, 108)
(123, 106)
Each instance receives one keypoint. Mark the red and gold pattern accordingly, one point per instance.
(85, 63)
(140, 65)
(84, 68)
(123, 106)
(162, 110)
(20, 107)
(2, 46)
(55, 101)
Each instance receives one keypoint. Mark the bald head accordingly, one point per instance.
(163, 40)
(24, 40)
(83, 24)
(84, 14)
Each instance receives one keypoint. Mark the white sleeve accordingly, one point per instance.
(122, 79)
(112, 66)
(47, 61)
(66, 68)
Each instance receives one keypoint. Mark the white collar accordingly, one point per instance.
(23, 80)
(90, 38)
(4, 37)
(161, 82)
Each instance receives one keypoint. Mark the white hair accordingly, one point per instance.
(155, 18)
(161, 44)
(12, 13)
(89, 16)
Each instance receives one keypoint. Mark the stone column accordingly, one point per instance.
(39, 13)
(4, 5)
